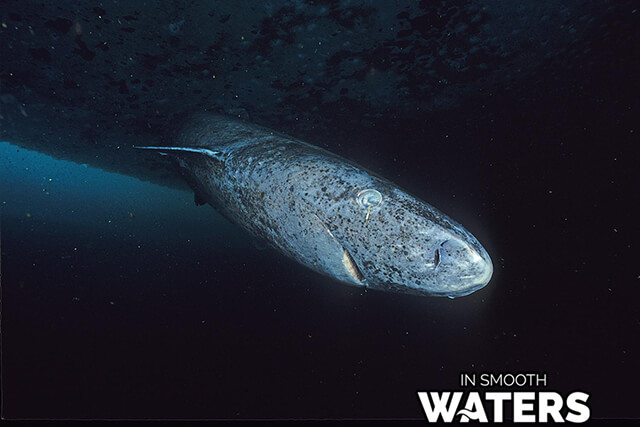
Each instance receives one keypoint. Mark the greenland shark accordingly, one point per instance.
(326, 212)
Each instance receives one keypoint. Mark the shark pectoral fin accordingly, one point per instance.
(331, 257)
(179, 153)
(352, 268)
(198, 199)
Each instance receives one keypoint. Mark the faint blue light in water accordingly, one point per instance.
(38, 187)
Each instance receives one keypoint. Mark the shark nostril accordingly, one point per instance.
(437, 257)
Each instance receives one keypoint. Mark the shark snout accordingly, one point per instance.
(468, 269)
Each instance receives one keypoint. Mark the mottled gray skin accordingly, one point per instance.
(308, 203)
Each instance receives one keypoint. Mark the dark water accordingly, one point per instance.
(122, 299)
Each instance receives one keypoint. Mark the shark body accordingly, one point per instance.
(326, 212)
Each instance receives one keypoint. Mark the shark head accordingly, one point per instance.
(398, 243)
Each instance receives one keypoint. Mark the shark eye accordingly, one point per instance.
(369, 198)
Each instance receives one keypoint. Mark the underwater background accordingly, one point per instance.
(123, 299)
